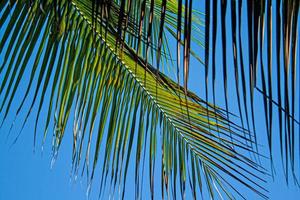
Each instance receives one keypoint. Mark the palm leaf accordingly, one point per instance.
(100, 77)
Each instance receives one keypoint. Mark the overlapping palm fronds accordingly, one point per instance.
(92, 58)
(257, 28)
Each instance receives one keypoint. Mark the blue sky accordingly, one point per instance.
(28, 175)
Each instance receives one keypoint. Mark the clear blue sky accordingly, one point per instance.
(26, 175)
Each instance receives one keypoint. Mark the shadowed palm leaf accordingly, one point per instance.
(254, 33)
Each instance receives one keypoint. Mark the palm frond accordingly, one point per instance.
(93, 72)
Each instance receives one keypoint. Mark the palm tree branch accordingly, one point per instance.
(88, 75)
